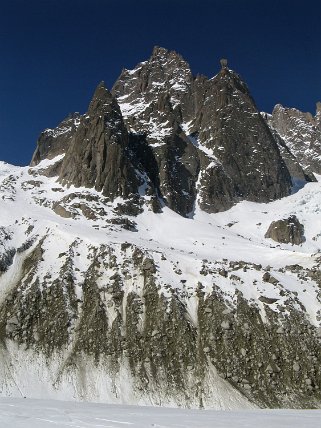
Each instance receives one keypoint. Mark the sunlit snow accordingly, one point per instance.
(25, 413)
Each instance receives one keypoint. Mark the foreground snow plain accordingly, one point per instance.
(27, 413)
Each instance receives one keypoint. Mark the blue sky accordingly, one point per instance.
(54, 53)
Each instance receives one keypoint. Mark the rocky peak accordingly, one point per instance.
(140, 91)
(302, 134)
(156, 99)
(54, 142)
(97, 156)
(228, 79)
(103, 102)
(163, 69)
(244, 161)
(165, 56)
(199, 141)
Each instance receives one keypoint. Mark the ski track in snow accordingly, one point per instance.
(30, 413)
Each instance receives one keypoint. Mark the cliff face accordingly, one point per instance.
(302, 134)
(142, 272)
(245, 153)
(234, 156)
(54, 142)
(97, 156)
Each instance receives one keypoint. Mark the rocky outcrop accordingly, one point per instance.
(302, 134)
(246, 162)
(286, 231)
(118, 316)
(54, 142)
(299, 176)
(97, 155)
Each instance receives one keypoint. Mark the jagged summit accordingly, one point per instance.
(161, 54)
(102, 101)
(199, 143)
(53, 142)
(230, 79)
(97, 155)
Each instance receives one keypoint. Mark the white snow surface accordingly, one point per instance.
(26, 199)
(27, 413)
(236, 234)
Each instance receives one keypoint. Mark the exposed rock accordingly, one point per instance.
(179, 130)
(267, 277)
(267, 300)
(207, 130)
(6, 260)
(286, 231)
(97, 155)
(155, 98)
(232, 128)
(54, 142)
(61, 210)
(301, 133)
(299, 176)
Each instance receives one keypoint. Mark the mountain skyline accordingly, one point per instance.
(164, 249)
(55, 54)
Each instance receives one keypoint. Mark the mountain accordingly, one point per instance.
(204, 135)
(301, 133)
(163, 248)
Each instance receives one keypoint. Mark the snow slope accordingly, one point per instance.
(236, 234)
(184, 251)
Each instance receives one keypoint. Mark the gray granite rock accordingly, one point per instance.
(54, 142)
(286, 231)
(97, 156)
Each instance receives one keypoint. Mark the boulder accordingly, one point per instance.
(286, 231)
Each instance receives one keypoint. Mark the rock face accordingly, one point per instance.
(299, 175)
(211, 145)
(286, 231)
(302, 134)
(97, 154)
(155, 99)
(54, 142)
(246, 162)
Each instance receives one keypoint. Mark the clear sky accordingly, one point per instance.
(54, 52)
